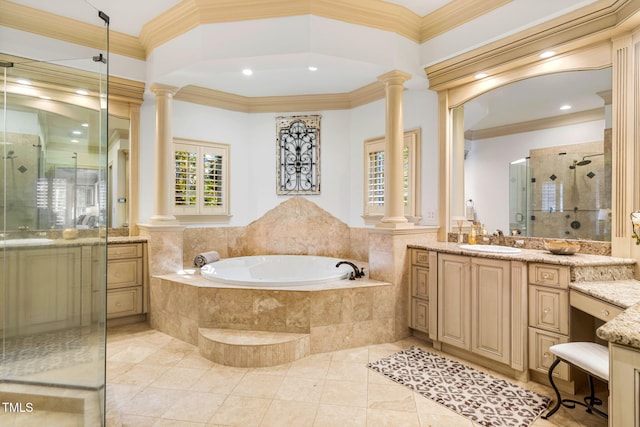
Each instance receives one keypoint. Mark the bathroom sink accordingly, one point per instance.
(491, 249)
(20, 242)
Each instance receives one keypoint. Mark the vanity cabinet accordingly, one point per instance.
(422, 302)
(548, 316)
(624, 393)
(126, 279)
(475, 306)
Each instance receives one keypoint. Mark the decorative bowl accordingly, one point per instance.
(562, 247)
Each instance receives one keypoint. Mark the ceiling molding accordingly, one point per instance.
(47, 24)
(61, 79)
(454, 14)
(591, 24)
(534, 125)
(271, 104)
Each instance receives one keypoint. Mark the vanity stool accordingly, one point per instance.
(589, 357)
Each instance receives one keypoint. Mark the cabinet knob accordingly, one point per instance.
(546, 276)
(546, 310)
(546, 355)
(605, 312)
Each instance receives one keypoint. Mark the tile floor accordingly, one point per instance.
(156, 380)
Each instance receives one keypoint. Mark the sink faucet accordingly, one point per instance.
(500, 235)
(356, 273)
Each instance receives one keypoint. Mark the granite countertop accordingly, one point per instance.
(624, 329)
(529, 255)
(42, 243)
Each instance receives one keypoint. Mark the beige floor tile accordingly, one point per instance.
(258, 385)
(164, 357)
(282, 413)
(357, 355)
(219, 379)
(137, 421)
(394, 397)
(347, 371)
(241, 411)
(300, 389)
(140, 375)
(194, 407)
(344, 393)
(388, 418)
(151, 402)
(310, 367)
(132, 354)
(178, 378)
(343, 416)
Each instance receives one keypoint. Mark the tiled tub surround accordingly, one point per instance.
(334, 316)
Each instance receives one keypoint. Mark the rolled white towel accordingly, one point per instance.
(205, 258)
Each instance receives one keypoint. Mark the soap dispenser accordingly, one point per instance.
(472, 239)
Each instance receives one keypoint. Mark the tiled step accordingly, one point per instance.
(248, 349)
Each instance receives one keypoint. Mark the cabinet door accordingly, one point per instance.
(454, 300)
(420, 282)
(49, 289)
(540, 358)
(549, 309)
(490, 309)
(420, 315)
(624, 398)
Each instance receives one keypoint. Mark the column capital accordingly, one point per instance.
(394, 77)
(160, 89)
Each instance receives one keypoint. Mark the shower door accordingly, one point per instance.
(53, 213)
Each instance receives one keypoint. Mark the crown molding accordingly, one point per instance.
(47, 24)
(270, 104)
(589, 25)
(61, 79)
(454, 14)
(534, 125)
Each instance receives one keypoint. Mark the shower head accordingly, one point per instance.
(10, 155)
(585, 162)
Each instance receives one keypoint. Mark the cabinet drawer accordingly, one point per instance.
(593, 306)
(124, 302)
(549, 309)
(118, 251)
(540, 358)
(420, 315)
(420, 282)
(126, 272)
(549, 275)
(420, 257)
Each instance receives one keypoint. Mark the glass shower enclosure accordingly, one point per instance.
(53, 213)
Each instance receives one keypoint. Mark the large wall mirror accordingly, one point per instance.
(528, 150)
(46, 119)
(537, 156)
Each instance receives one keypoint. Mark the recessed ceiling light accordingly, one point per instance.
(313, 68)
(565, 107)
(24, 82)
(77, 132)
(75, 140)
(547, 54)
(44, 97)
(85, 125)
(247, 71)
(481, 75)
(82, 92)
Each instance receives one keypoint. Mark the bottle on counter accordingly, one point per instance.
(473, 235)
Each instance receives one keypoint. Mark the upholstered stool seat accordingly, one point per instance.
(589, 357)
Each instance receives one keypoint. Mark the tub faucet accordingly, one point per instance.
(356, 273)
(501, 240)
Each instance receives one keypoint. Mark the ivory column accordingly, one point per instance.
(393, 148)
(164, 140)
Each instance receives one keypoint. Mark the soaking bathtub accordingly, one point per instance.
(276, 270)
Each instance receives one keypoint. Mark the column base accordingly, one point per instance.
(395, 225)
(163, 220)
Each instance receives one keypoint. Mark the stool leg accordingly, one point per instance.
(592, 400)
(555, 388)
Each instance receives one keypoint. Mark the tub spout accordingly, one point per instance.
(356, 273)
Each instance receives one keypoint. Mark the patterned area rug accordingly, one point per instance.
(483, 399)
